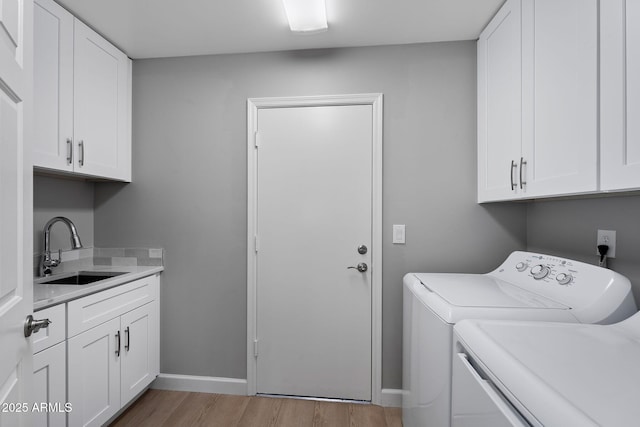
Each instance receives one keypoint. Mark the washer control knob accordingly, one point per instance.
(564, 278)
(540, 271)
(521, 266)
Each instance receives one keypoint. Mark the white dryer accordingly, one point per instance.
(527, 286)
(515, 373)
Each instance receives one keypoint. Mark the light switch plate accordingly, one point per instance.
(398, 234)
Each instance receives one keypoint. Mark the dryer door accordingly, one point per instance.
(476, 402)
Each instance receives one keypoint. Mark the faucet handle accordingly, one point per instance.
(52, 262)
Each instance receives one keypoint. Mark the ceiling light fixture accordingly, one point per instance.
(306, 16)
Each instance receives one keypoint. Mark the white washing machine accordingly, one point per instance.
(527, 286)
(510, 373)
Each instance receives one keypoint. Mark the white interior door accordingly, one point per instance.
(314, 209)
(16, 289)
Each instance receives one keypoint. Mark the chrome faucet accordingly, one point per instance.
(46, 261)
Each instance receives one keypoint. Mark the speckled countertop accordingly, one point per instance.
(48, 295)
(136, 263)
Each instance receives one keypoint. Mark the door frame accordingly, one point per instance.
(253, 106)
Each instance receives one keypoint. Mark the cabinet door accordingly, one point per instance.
(139, 350)
(499, 105)
(620, 94)
(50, 387)
(53, 86)
(94, 374)
(560, 96)
(101, 106)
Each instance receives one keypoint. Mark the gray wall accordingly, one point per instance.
(62, 197)
(189, 183)
(568, 228)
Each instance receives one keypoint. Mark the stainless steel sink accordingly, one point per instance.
(83, 278)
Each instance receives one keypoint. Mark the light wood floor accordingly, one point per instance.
(180, 408)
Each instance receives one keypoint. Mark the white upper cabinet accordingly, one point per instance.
(560, 96)
(53, 86)
(620, 94)
(556, 152)
(499, 105)
(82, 96)
(102, 99)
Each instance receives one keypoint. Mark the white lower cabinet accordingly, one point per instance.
(50, 369)
(111, 363)
(111, 354)
(94, 375)
(139, 349)
(49, 386)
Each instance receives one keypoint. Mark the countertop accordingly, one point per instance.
(49, 295)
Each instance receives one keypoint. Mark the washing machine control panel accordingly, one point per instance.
(555, 270)
(585, 288)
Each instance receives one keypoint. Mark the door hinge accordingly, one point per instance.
(256, 140)
(255, 348)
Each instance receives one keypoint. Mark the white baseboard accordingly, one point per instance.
(391, 398)
(201, 384)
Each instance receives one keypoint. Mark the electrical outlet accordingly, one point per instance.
(607, 237)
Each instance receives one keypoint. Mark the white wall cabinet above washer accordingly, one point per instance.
(82, 91)
(500, 104)
(538, 59)
(559, 97)
(620, 95)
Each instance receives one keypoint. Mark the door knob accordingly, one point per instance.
(362, 267)
(32, 326)
(362, 249)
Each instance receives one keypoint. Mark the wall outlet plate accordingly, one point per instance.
(607, 237)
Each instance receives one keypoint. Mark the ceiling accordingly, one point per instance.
(166, 28)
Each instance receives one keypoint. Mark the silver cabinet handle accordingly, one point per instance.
(362, 267)
(513, 166)
(118, 344)
(81, 159)
(69, 151)
(127, 339)
(523, 163)
(31, 326)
